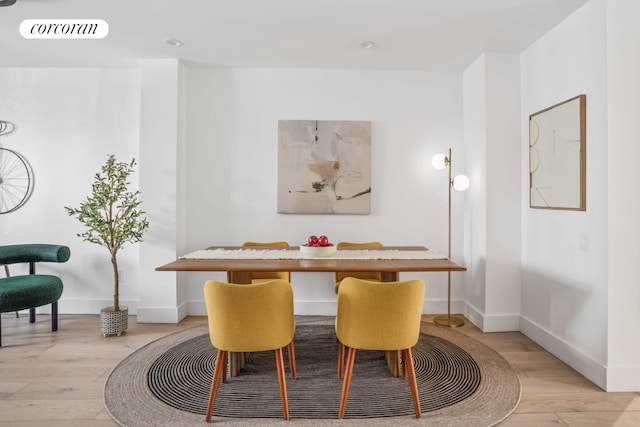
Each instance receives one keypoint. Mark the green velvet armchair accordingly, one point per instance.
(32, 290)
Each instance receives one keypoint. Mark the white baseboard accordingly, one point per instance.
(439, 306)
(492, 323)
(592, 370)
(144, 314)
(300, 308)
(196, 308)
(315, 308)
(328, 308)
(88, 306)
(623, 378)
(162, 314)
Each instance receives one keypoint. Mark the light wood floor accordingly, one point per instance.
(57, 379)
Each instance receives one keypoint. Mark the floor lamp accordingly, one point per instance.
(459, 183)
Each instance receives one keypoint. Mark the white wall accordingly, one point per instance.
(492, 152)
(475, 136)
(67, 122)
(162, 141)
(225, 171)
(232, 157)
(564, 289)
(623, 370)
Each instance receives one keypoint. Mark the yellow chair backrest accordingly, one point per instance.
(250, 317)
(258, 276)
(379, 315)
(370, 275)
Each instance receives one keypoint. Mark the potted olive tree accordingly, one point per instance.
(113, 217)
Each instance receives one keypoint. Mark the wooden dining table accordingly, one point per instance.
(239, 269)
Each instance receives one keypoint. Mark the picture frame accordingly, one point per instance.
(324, 167)
(557, 156)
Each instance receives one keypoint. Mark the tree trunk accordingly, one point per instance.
(116, 283)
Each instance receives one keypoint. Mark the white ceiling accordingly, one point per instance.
(437, 35)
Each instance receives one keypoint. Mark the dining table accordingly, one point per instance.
(239, 261)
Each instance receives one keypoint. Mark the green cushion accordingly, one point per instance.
(22, 292)
(33, 252)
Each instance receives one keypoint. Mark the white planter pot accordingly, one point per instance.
(114, 322)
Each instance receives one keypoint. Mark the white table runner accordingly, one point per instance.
(295, 254)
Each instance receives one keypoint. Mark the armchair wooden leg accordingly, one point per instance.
(54, 316)
(292, 360)
(340, 359)
(411, 373)
(32, 315)
(282, 383)
(346, 383)
(217, 373)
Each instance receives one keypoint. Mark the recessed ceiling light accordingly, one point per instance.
(366, 44)
(173, 42)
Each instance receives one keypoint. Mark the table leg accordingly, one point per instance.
(235, 361)
(390, 276)
(393, 362)
(392, 357)
(240, 277)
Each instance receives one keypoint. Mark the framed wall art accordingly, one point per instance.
(324, 167)
(557, 156)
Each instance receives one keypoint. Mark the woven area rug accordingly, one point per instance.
(461, 382)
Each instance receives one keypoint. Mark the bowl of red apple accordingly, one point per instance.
(317, 246)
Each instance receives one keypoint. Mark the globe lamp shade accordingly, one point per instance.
(461, 182)
(439, 161)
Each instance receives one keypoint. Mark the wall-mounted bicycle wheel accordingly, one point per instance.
(15, 181)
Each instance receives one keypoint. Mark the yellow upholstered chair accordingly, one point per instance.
(261, 276)
(250, 318)
(378, 316)
(367, 275)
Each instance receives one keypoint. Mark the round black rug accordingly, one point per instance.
(460, 381)
(181, 378)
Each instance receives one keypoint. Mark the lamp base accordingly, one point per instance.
(450, 321)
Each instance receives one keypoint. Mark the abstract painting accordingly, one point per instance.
(557, 156)
(324, 167)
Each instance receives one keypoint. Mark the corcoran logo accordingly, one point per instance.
(64, 29)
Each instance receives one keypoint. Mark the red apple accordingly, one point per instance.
(323, 241)
(312, 240)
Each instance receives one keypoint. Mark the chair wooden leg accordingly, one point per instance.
(340, 359)
(411, 373)
(217, 373)
(292, 360)
(32, 315)
(346, 383)
(282, 382)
